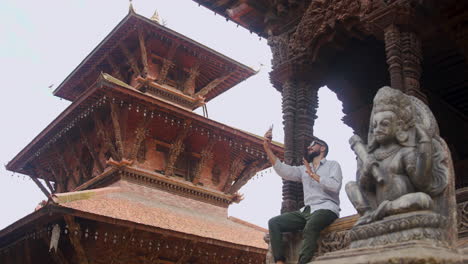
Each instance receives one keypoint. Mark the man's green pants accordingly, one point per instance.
(311, 224)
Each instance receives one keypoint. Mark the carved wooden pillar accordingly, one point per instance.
(412, 56)
(289, 112)
(404, 60)
(306, 113)
(393, 51)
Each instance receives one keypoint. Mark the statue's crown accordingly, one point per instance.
(389, 99)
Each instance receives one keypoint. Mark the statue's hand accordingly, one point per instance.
(421, 134)
(354, 139)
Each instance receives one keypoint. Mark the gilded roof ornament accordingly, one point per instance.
(156, 17)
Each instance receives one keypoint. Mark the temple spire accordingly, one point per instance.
(156, 17)
(130, 8)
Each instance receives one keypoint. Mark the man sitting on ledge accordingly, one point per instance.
(321, 181)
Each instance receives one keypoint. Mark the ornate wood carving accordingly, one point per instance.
(279, 48)
(320, 19)
(393, 50)
(131, 58)
(75, 239)
(115, 68)
(462, 219)
(115, 116)
(247, 174)
(176, 148)
(68, 174)
(141, 132)
(102, 132)
(189, 86)
(210, 86)
(144, 55)
(167, 63)
(412, 57)
(93, 154)
(205, 156)
(237, 166)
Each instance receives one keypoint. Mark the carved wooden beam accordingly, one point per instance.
(167, 63)
(59, 182)
(247, 174)
(75, 239)
(205, 156)
(412, 57)
(176, 148)
(130, 57)
(102, 132)
(68, 172)
(93, 154)
(39, 184)
(189, 86)
(237, 166)
(115, 68)
(141, 133)
(210, 86)
(144, 55)
(115, 116)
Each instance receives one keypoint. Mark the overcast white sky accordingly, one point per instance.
(41, 42)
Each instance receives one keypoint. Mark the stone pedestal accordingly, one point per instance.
(420, 225)
(413, 252)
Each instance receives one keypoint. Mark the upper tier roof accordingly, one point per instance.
(215, 73)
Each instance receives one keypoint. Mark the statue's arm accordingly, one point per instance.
(419, 167)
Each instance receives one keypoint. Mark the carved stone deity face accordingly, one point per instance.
(384, 127)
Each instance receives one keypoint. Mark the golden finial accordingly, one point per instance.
(130, 8)
(156, 17)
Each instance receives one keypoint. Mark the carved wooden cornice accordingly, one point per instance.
(176, 186)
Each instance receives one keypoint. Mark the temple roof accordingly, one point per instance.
(214, 69)
(107, 87)
(163, 212)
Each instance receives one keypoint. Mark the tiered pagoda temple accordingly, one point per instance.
(355, 47)
(131, 173)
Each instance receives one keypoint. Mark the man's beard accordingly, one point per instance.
(312, 155)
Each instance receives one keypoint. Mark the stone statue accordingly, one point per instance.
(405, 166)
